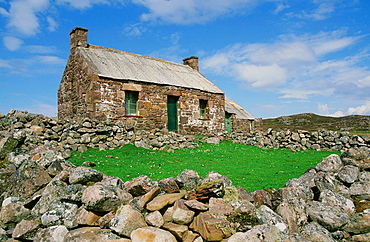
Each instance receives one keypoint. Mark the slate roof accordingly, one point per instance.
(122, 65)
(232, 107)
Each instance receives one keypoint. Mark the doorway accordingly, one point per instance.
(228, 123)
(172, 113)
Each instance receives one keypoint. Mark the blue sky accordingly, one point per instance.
(272, 57)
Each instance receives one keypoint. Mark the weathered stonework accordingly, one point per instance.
(244, 125)
(84, 94)
(104, 99)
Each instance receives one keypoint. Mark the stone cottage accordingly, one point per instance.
(237, 119)
(108, 85)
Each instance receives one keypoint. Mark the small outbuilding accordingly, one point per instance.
(237, 119)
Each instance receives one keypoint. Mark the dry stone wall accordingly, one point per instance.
(22, 129)
(301, 140)
(46, 198)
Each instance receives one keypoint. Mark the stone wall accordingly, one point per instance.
(242, 125)
(73, 87)
(301, 140)
(46, 198)
(22, 129)
(108, 100)
(84, 95)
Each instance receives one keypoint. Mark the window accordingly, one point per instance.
(131, 103)
(202, 109)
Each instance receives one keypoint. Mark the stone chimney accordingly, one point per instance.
(192, 61)
(78, 37)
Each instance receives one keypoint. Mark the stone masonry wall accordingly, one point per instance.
(72, 89)
(106, 101)
(84, 95)
(243, 126)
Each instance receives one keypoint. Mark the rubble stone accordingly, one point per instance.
(211, 227)
(348, 174)
(327, 216)
(127, 220)
(82, 175)
(161, 201)
(90, 234)
(315, 232)
(154, 219)
(103, 198)
(26, 229)
(51, 234)
(151, 234)
(330, 163)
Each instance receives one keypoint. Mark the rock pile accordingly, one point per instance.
(301, 140)
(45, 198)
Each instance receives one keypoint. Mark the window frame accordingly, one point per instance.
(131, 103)
(203, 103)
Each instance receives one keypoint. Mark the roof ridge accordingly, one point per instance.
(141, 55)
(123, 65)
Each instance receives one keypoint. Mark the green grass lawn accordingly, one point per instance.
(247, 166)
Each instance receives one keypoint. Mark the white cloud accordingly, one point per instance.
(323, 109)
(34, 66)
(322, 11)
(283, 53)
(259, 76)
(295, 66)
(4, 12)
(49, 60)
(23, 15)
(218, 63)
(191, 11)
(5, 64)
(40, 49)
(361, 110)
(328, 42)
(304, 93)
(53, 25)
(337, 114)
(82, 4)
(12, 43)
(134, 30)
(364, 82)
(280, 7)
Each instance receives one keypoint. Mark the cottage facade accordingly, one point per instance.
(105, 84)
(238, 120)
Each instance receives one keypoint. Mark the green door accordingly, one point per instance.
(172, 113)
(228, 123)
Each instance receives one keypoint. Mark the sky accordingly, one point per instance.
(272, 57)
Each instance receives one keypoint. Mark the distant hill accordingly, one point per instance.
(313, 122)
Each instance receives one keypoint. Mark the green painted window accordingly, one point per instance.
(202, 108)
(131, 102)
